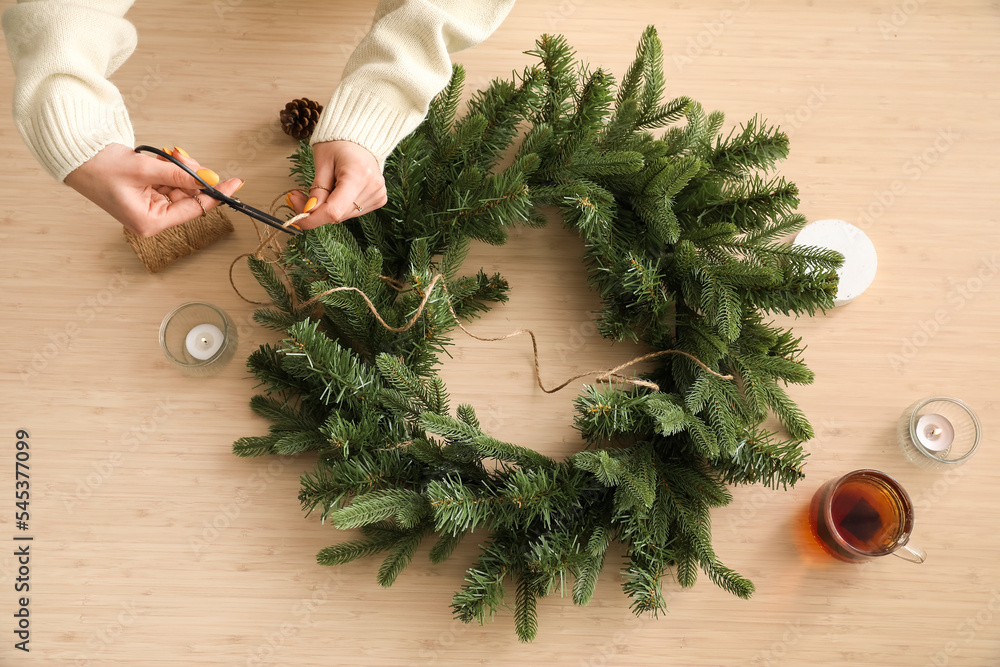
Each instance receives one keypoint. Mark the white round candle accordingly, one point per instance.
(860, 258)
(204, 341)
(935, 432)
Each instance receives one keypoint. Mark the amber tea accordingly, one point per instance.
(861, 515)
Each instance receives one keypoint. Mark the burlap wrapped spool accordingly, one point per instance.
(156, 252)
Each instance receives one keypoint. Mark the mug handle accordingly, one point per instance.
(913, 554)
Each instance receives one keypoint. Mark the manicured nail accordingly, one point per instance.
(181, 151)
(310, 205)
(166, 150)
(288, 201)
(208, 176)
(242, 183)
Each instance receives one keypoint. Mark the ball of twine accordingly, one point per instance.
(157, 252)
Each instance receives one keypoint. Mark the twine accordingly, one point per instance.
(267, 241)
(602, 374)
(158, 251)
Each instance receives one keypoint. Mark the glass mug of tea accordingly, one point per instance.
(864, 514)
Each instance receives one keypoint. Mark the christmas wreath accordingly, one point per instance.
(683, 236)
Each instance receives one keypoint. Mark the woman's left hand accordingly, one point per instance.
(348, 183)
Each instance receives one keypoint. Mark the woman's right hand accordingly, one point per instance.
(146, 194)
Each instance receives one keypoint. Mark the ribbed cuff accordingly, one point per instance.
(355, 115)
(66, 132)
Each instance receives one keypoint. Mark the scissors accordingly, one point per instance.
(231, 202)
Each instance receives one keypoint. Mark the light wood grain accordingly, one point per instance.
(154, 545)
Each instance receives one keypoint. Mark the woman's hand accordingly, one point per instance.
(348, 183)
(146, 194)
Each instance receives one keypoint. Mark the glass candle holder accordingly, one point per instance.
(199, 338)
(939, 432)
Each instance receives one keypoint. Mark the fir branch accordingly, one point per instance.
(303, 170)
(442, 110)
(298, 442)
(322, 488)
(483, 591)
(266, 364)
(275, 288)
(652, 72)
(603, 414)
(591, 107)
(400, 555)
(667, 415)
(467, 414)
(274, 319)
(455, 430)
(331, 371)
(730, 581)
(761, 460)
(608, 467)
(643, 585)
(586, 581)
(703, 438)
(409, 508)
(404, 380)
(791, 416)
(334, 481)
(378, 538)
(663, 114)
(457, 508)
(597, 164)
(285, 416)
(525, 609)
(687, 570)
(754, 146)
(695, 484)
(445, 546)
(775, 230)
(255, 445)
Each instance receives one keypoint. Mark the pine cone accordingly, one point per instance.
(298, 118)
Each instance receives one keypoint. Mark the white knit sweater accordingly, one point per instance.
(63, 52)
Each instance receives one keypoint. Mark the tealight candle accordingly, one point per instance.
(938, 432)
(203, 341)
(198, 337)
(935, 432)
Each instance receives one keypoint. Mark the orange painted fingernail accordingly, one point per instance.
(288, 201)
(310, 205)
(208, 176)
(181, 151)
(166, 150)
(242, 183)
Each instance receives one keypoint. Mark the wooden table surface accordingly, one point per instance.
(155, 545)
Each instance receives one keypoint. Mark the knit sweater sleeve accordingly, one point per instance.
(63, 52)
(399, 67)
